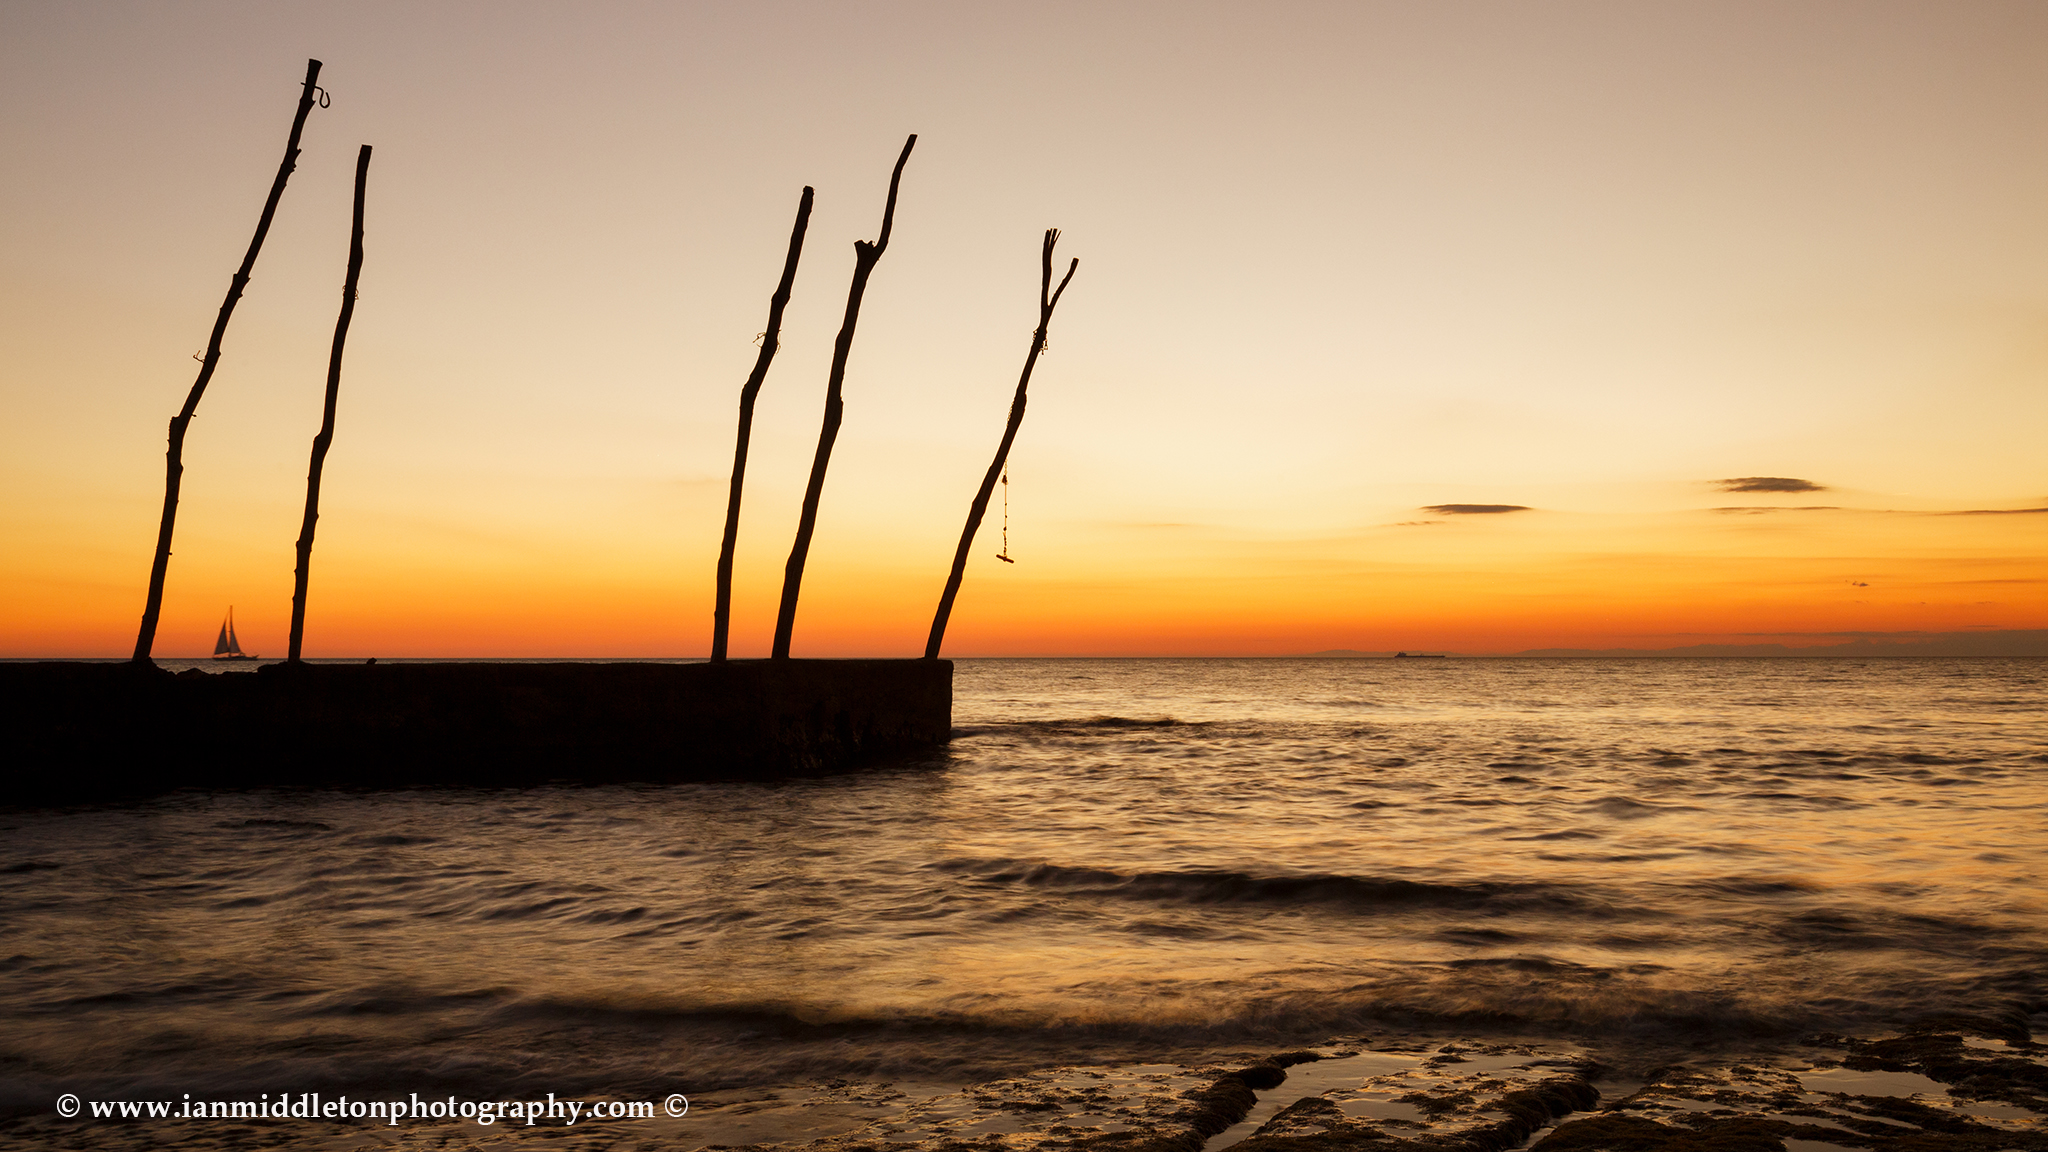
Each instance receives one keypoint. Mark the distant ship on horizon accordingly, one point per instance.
(227, 647)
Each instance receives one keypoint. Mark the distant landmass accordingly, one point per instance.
(1353, 653)
(2010, 642)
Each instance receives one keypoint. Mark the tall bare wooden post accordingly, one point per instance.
(721, 614)
(326, 436)
(865, 255)
(174, 463)
(1048, 299)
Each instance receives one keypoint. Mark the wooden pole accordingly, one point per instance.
(326, 436)
(721, 614)
(1048, 299)
(174, 463)
(865, 256)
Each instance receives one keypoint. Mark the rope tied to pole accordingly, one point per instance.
(1048, 299)
(1004, 555)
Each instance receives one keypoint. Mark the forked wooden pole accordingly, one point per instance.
(721, 615)
(1048, 299)
(174, 462)
(326, 436)
(865, 256)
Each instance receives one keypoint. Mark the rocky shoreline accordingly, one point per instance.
(1958, 1089)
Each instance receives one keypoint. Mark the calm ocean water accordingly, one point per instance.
(1114, 859)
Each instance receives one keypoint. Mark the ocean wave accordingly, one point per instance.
(1629, 808)
(1225, 886)
(1520, 994)
(277, 825)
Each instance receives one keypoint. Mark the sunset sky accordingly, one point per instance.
(1350, 272)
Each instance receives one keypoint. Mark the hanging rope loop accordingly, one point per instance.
(1004, 555)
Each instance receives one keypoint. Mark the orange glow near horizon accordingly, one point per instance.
(1341, 264)
(1696, 577)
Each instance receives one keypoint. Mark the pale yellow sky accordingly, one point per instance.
(1339, 262)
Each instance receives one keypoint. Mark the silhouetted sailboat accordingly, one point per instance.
(227, 647)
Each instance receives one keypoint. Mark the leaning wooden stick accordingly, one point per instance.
(721, 615)
(865, 256)
(326, 436)
(174, 464)
(1048, 299)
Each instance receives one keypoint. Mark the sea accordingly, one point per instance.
(1162, 861)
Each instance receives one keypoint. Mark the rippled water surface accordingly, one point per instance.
(1112, 857)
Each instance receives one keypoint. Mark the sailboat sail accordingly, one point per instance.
(226, 647)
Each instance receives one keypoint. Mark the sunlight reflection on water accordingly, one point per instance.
(1598, 849)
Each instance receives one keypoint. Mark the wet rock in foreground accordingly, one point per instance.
(1126, 1108)
(1915, 1093)
(1478, 1097)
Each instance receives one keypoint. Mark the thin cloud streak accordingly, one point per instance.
(1750, 510)
(1768, 484)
